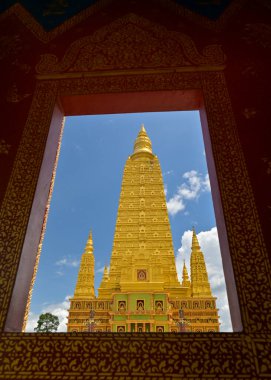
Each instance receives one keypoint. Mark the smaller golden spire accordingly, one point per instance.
(143, 142)
(195, 242)
(200, 285)
(85, 280)
(186, 281)
(89, 245)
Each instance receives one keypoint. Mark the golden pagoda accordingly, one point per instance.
(140, 292)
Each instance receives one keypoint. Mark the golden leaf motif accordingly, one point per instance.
(122, 45)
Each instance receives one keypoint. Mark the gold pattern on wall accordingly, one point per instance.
(13, 95)
(4, 147)
(43, 229)
(114, 84)
(249, 256)
(130, 356)
(34, 26)
(21, 188)
(122, 45)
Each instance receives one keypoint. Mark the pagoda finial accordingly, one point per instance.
(143, 142)
(89, 245)
(142, 129)
(195, 242)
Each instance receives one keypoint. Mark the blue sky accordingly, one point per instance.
(86, 195)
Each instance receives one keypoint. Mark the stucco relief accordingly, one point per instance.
(122, 45)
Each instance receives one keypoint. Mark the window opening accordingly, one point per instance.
(186, 186)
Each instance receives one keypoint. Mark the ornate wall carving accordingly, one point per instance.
(16, 205)
(121, 45)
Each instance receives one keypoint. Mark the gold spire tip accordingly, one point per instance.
(142, 142)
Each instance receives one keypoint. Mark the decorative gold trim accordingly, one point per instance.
(43, 228)
(129, 72)
(248, 252)
(103, 50)
(129, 356)
(34, 26)
(17, 202)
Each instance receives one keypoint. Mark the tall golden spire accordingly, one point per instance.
(85, 280)
(142, 234)
(186, 281)
(199, 278)
(143, 142)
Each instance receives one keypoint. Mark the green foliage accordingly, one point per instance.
(47, 323)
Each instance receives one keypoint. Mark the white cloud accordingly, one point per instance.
(68, 262)
(175, 205)
(209, 243)
(165, 189)
(191, 189)
(58, 309)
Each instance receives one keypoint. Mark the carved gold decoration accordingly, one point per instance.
(144, 356)
(18, 199)
(13, 95)
(122, 45)
(244, 355)
(27, 309)
(91, 85)
(4, 147)
(30, 22)
(249, 257)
